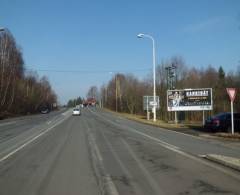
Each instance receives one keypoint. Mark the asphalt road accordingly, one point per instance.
(102, 153)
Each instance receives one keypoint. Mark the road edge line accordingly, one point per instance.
(30, 141)
(172, 148)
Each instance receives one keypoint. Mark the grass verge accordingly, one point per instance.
(194, 128)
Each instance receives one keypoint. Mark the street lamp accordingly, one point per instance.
(141, 35)
(116, 91)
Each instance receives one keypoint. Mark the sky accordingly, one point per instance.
(78, 43)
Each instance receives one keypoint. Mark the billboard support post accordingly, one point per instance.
(147, 110)
(203, 117)
(176, 119)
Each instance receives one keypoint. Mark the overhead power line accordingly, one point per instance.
(88, 71)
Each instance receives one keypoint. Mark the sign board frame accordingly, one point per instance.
(148, 102)
(199, 99)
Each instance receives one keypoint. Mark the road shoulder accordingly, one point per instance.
(230, 162)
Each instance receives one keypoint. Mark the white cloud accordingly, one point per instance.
(205, 25)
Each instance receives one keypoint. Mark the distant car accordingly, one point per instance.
(222, 122)
(46, 111)
(76, 111)
(44, 108)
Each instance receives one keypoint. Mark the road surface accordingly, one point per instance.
(102, 153)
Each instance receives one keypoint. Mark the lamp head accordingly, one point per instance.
(141, 35)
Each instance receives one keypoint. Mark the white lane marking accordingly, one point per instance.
(107, 178)
(162, 128)
(175, 149)
(30, 137)
(202, 155)
(30, 141)
(93, 141)
(152, 182)
(8, 123)
(200, 137)
(154, 139)
(122, 166)
(67, 112)
(55, 118)
(49, 122)
(16, 145)
(140, 133)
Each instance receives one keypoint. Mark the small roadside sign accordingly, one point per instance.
(153, 104)
(232, 93)
(148, 102)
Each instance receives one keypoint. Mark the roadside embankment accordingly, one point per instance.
(193, 128)
(230, 162)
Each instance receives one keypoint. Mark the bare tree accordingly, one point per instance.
(20, 93)
(93, 92)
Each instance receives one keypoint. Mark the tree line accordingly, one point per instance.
(75, 101)
(124, 92)
(92, 93)
(21, 92)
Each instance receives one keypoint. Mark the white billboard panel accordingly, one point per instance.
(189, 99)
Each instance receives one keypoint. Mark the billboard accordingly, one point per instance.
(189, 99)
(148, 102)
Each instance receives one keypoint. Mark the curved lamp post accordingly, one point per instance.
(141, 35)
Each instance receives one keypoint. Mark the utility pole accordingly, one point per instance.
(171, 82)
(116, 92)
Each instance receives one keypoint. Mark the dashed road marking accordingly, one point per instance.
(31, 140)
(8, 123)
(49, 122)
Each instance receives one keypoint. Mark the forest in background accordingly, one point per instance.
(24, 92)
(21, 92)
(129, 90)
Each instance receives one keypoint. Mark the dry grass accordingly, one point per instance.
(176, 127)
(158, 123)
(235, 136)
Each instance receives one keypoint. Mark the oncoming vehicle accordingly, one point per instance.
(76, 111)
(222, 122)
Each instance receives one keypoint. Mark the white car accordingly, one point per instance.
(76, 111)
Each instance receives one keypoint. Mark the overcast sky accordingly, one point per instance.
(78, 43)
